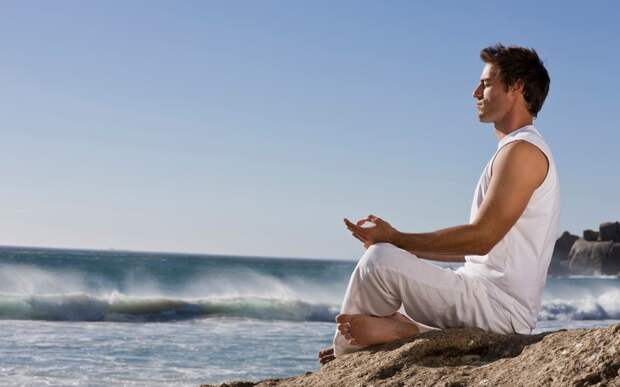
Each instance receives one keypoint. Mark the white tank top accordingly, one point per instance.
(516, 267)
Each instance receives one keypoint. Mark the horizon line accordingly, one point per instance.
(201, 254)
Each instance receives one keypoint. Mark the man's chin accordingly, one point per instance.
(484, 119)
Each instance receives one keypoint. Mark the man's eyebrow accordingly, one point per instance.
(485, 79)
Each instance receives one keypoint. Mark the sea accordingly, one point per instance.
(102, 318)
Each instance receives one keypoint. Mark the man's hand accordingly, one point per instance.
(382, 231)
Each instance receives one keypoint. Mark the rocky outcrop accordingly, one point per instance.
(610, 232)
(598, 252)
(612, 263)
(471, 357)
(588, 258)
(559, 260)
(590, 235)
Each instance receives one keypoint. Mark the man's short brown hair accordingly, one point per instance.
(520, 63)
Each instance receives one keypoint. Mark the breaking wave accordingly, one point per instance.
(605, 306)
(59, 286)
(121, 308)
(29, 292)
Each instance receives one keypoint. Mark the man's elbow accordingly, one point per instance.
(487, 239)
(483, 249)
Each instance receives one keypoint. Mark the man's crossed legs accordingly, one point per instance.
(386, 278)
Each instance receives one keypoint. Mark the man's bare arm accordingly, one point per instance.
(440, 257)
(467, 239)
(518, 169)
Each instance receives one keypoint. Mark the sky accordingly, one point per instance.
(254, 127)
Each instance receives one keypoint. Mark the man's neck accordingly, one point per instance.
(510, 124)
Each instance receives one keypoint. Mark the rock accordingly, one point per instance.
(590, 235)
(593, 258)
(563, 245)
(559, 260)
(558, 267)
(611, 265)
(610, 231)
(472, 357)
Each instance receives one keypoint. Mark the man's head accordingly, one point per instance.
(513, 81)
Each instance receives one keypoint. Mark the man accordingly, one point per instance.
(506, 247)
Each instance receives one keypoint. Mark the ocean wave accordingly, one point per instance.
(121, 308)
(118, 307)
(602, 307)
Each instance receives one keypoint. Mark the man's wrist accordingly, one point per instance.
(396, 237)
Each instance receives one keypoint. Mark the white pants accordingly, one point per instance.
(387, 278)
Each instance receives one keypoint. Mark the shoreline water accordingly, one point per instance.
(185, 320)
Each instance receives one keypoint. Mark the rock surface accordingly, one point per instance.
(472, 357)
(588, 258)
(590, 235)
(610, 231)
(598, 252)
(559, 260)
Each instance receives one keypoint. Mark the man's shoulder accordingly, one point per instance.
(522, 158)
(522, 148)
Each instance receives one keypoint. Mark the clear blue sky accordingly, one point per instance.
(254, 127)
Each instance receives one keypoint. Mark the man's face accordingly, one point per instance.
(492, 99)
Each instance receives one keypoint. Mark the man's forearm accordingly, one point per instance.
(440, 257)
(454, 241)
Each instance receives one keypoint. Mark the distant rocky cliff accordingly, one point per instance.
(595, 253)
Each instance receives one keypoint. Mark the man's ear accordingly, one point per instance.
(518, 86)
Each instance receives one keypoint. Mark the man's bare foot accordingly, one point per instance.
(364, 330)
(326, 355)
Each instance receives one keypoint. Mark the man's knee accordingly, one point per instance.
(380, 255)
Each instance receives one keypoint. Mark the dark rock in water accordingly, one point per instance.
(563, 245)
(611, 265)
(610, 231)
(589, 258)
(559, 260)
(472, 357)
(590, 235)
(594, 254)
(558, 266)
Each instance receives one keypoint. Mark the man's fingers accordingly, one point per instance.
(326, 352)
(326, 359)
(360, 238)
(348, 223)
(369, 218)
(351, 226)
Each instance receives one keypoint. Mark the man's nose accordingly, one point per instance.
(477, 93)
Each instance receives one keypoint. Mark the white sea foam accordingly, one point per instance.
(27, 279)
(587, 307)
(34, 293)
(120, 307)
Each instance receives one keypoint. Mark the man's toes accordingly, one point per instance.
(326, 359)
(343, 318)
(326, 352)
(344, 328)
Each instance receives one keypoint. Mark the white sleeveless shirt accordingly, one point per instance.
(515, 269)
